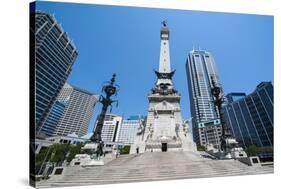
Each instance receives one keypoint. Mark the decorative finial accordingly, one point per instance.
(164, 22)
(113, 78)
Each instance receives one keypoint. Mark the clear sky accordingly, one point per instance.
(126, 41)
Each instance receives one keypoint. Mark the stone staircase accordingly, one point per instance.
(153, 166)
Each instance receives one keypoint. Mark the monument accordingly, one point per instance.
(165, 130)
(164, 141)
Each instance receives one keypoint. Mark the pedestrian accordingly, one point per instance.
(116, 154)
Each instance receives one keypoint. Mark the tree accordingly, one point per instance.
(57, 153)
(44, 155)
(253, 150)
(74, 149)
(125, 150)
(201, 148)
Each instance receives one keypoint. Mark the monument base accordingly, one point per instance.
(85, 160)
(89, 158)
(162, 146)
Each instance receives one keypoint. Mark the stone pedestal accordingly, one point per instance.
(89, 158)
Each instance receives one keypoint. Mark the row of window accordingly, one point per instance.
(250, 120)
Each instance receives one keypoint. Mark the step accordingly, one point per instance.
(153, 166)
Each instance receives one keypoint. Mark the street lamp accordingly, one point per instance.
(110, 89)
(216, 92)
(229, 145)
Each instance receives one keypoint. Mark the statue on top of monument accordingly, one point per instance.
(164, 22)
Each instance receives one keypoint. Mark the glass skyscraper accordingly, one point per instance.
(201, 69)
(251, 118)
(54, 54)
(129, 128)
(231, 97)
(78, 110)
(50, 124)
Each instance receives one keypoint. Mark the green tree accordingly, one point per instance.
(125, 150)
(201, 148)
(44, 155)
(253, 150)
(74, 149)
(57, 153)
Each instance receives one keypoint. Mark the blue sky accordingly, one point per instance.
(126, 41)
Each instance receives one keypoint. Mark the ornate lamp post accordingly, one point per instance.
(216, 91)
(229, 145)
(109, 89)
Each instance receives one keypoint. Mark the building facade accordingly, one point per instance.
(129, 128)
(201, 70)
(40, 144)
(50, 124)
(251, 118)
(55, 54)
(232, 97)
(111, 128)
(165, 129)
(78, 110)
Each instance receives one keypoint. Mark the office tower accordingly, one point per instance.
(50, 124)
(54, 55)
(111, 128)
(251, 118)
(78, 110)
(165, 129)
(129, 128)
(206, 125)
(231, 97)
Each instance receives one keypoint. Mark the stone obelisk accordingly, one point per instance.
(165, 129)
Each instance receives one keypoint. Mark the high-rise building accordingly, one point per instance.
(231, 97)
(54, 54)
(111, 128)
(78, 110)
(129, 128)
(165, 129)
(50, 124)
(201, 70)
(251, 118)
